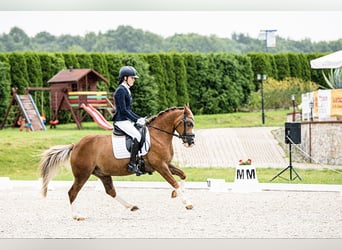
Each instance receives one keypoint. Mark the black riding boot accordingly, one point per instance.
(132, 165)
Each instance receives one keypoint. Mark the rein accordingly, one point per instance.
(162, 130)
(184, 135)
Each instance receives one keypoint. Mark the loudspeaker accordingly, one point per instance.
(292, 131)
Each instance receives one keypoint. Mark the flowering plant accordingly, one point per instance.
(248, 162)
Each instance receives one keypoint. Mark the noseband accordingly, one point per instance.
(184, 136)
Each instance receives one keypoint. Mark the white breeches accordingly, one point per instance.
(129, 128)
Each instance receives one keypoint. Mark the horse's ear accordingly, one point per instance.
(187, 108)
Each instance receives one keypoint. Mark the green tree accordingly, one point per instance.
(100, 65)
(89, 41)
(44, 41)
(244, 77)
(170, 79)
(260, 65)
(114, 63)
(35, 74)
(198, 82)
(294, 64)
(70, 60)
(181, 79)
(306, 72)
(5, 86)
(17, 40)
(85, 61)
(191, 73)
(19, 74)
(157, 71)
(282, 64)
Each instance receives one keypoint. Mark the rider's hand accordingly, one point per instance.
(141, 121)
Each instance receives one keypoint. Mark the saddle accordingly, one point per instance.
(122, 143)
(129, 140)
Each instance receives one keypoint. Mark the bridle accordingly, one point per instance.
(186, 137)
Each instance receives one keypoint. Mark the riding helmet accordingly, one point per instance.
(127, 71)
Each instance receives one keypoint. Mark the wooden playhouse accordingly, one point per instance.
(71, 88)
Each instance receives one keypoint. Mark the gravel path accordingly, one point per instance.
(267, 214)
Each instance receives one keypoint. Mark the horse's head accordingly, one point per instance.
(185, 127)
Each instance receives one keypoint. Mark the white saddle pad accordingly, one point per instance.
(119, 146)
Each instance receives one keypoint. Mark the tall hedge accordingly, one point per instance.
(210, 82)
(19, 74)
(34, 70)
(84, 60)
(282, 64)
(156, 70)
(114, 63)
(100, 65)
(5, 86)
(197, 80)
(260, 65)
(170, 79)
(181, 80)
(192, 80)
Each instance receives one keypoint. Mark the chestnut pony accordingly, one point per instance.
(93, 155)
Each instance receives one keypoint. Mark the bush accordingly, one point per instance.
(277, 94)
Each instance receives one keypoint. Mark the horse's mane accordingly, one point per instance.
(163, 112)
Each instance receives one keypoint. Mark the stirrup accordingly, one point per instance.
(134, 169)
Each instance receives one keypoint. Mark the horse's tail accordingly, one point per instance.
(51, 160)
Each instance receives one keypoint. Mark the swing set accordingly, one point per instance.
(72, 90)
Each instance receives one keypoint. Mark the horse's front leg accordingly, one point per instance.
(166, 173)
(176, 171)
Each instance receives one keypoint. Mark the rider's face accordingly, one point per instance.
(130, 81)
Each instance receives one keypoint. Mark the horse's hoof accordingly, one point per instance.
(134, 208)
(188, 207)
(174, 194)
(78, 218)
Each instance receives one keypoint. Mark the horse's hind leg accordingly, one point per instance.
(79, 181)
(108, 185)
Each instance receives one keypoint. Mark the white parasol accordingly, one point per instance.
(331, 61)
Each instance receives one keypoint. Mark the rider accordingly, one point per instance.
(124, 117)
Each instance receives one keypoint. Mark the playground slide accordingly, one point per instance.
(97, 116)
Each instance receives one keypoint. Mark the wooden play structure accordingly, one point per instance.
(23, 106)
(73, 87)
(72, 90)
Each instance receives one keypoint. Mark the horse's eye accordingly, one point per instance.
(189, 124)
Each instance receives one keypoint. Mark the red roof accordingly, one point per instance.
(74, 75)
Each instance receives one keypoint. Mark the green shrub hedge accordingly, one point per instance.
(209, 82)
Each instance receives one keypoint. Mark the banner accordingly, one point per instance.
(307, 99)
(269, 36)
(324, 104)
(336, 102)
(271, 39)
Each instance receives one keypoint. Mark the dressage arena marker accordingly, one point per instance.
(5, 183)
(246, 179)
(217, 185)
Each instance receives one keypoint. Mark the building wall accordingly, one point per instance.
(324, 143)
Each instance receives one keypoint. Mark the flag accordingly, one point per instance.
(269, 36)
